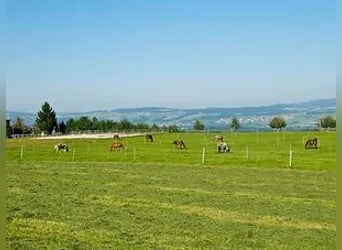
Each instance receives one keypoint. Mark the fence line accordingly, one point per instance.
(244, 156)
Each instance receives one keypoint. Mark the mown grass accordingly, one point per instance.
(167, 199)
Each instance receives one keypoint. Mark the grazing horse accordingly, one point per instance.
(179, 144)
(116, 146)
(61, 147)
(219, 138)
(223, 147)
(149, 137)
(311, 143)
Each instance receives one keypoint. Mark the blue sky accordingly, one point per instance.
(85, 55)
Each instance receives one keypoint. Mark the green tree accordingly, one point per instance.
(19, 126)
(46, 119)
(84, 123)
(278, 123)
(198, 125)
(327, 122)
(235, 124)
(125, 125)
(9, 128)
(94, 122)
(173, 128)
(62, 127)
(155, 127)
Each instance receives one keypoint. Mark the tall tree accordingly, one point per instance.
(277, 122)
(173, 128)
(46, 119)
(62, 127)
(19, 126)
(9, 129)
(235, 124)
(327, 122)
(155, 127)
(198, 125)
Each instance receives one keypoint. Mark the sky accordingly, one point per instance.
(87, 55)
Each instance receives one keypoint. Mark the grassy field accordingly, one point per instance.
(266, 150)
(152, 196)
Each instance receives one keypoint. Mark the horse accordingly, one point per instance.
(311, 143)
(223, 147)
(116, 146)
(179, 144)
(61, 147)
(219, 138)
(149, 137)
(116, 136)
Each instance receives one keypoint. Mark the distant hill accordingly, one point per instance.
(298, 116)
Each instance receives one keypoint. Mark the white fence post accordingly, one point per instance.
(21, 152)
(73, 154)
(203, 154)
(290, 157)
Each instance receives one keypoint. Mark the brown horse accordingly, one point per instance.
(149, 137)
(311, 143)
(179, 144)
(219, 138)
(116, 136)
(116, 146)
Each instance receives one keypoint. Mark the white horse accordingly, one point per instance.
(223, 147)
(61, 147)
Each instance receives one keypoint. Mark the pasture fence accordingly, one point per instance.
(205, 154)
(256, 149)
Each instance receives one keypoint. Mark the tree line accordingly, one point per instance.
(46, 122)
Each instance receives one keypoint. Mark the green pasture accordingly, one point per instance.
(153, 196)
(266, 150)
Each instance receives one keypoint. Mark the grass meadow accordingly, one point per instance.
(153, 196)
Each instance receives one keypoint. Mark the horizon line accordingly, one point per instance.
(184, 108)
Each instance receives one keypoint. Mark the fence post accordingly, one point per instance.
(203, 154)
(290, 157)
(21, 152)
(73, 154)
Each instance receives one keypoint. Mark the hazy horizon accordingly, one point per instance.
(183, 108)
